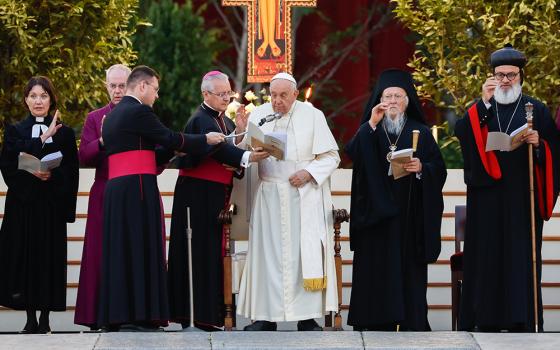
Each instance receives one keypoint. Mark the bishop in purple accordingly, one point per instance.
(92, 154)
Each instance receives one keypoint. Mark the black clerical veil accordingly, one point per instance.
(395, 78)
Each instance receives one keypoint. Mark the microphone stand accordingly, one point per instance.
(191, 327)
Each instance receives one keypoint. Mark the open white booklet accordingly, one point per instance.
(33, 164)
(500, 141)
(273, 142)
(398, 159)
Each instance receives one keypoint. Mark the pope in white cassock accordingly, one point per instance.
(290, 273)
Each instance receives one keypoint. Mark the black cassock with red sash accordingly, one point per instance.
(203, 185)
(498, 288)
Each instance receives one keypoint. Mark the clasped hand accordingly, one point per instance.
(300, 178)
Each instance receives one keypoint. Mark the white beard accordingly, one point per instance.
(506, 97)
(394, 126)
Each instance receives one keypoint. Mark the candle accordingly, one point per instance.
(307, 95)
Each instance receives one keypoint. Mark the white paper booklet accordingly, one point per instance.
(500, 141)
(274, 142)
(32, 164)
(398, 159)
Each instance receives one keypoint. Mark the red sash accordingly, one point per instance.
(544, 183)
(131, 163)
(489, 160)
(209, 170)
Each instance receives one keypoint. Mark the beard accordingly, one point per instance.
(393, 125)
(506, 97)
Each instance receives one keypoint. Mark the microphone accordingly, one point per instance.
(270, 118)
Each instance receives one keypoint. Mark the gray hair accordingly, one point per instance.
(117, 67)
(208, 81)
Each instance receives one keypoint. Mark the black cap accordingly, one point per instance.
(395, 78)
(508, 56)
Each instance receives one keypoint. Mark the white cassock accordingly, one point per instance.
(291, 241)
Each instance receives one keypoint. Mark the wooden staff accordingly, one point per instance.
(529, 112)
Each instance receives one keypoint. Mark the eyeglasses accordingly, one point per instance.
(227, 94)
(510, 75)
(114, 86)
(155, 89)
(390, 97)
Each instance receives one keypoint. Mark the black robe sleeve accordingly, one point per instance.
(66, 176)
(474, 172)
(224, 153)
(433, 178)
(13, 145)
(63, 178)
(148, 125)
(371, 201)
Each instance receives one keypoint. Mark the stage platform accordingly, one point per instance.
(281, 340)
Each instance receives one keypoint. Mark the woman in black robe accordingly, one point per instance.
(38, 206)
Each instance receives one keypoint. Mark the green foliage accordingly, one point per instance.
(456, 38)
(449, 146)
(179, 47)
(71, 42)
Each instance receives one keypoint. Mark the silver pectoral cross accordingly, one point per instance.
(392, 148)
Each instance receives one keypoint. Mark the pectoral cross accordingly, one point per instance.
(269, 35)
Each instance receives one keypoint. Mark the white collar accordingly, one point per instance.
(207, 105)
(137, 99)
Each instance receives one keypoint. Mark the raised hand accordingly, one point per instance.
(101, 130)
(241, 118)
(377, 113)
(53, 128)
(488, 89)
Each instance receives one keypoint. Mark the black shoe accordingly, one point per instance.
(261, 326)
(308, 325)
(202, 326)
(44, 329)
(138, 328)
(30, 328)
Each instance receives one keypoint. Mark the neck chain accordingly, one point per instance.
(393, 146)
(510, 119)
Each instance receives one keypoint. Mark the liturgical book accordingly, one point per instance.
(398, 159)
(33, 164)
(500, 141)
(274, 142)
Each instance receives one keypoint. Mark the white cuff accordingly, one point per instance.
(245, 159)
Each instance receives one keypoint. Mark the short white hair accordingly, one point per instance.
(117, 67)
(208, 81)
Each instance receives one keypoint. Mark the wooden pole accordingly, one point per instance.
(529, 112)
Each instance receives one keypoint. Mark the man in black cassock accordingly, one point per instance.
(497, 264)
(394, 223)
(133, 290)
(204, 185)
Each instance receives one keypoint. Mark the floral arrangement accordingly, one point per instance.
(253, 100)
